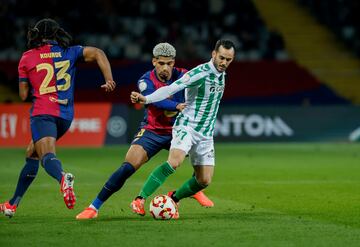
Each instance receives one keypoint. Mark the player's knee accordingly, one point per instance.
(204, 180)
(174, 163)
(136, 159)
(30, 151)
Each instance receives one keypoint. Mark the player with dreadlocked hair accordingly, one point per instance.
(45, 30)
(49, 67)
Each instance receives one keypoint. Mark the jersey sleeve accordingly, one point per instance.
(164, 92)
(22, 70)
(146, 87)
(78, 51)
(192, 78)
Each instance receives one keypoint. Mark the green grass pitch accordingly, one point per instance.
(264, 194)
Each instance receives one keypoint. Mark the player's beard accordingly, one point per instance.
(220, 68)
(164, 76)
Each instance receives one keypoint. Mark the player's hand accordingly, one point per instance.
(137, 98)
(180, 107)
(109, 86)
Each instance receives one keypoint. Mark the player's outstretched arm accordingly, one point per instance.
(160, 94)
(92, 54)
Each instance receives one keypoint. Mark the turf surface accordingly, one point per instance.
(264, 194)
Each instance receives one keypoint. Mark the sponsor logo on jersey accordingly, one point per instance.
(217, 89)
(170, 113)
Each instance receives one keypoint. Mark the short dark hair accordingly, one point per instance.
(227, 44)
(48, 29)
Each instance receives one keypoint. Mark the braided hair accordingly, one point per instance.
(45, 30)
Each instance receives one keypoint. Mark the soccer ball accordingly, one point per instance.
(162, 207)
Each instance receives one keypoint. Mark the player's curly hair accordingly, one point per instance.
(45, 30)
(164, 50)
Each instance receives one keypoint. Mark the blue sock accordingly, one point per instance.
(27, 175)
(97, 203)
(52, 166)
(114, 183)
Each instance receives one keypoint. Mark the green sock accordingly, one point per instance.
(189, 188)
(156, 179)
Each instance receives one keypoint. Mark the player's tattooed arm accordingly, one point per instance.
(23, 90)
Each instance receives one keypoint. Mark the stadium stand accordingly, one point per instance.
(127, 31)
(342, 17)
(314, 46)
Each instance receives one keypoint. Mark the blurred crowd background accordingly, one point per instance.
(130, 29)
(341, 17)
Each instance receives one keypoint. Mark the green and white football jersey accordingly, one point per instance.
(204, 88)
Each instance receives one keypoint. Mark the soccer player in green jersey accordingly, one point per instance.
(194, 127)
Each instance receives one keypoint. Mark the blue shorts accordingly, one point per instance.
(46, 125)
(151, 142)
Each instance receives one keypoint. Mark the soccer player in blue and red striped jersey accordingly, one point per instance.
(155, 129)
(48, 68)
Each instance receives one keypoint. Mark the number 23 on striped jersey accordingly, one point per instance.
(61, 74)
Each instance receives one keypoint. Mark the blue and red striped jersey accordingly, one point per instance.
(160, 116)
(50, 70)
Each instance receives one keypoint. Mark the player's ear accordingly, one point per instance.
(154, 61)
(213, 54)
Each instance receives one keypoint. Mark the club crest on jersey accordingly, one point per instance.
(186, 78)
(142, 85)
(183, 79)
